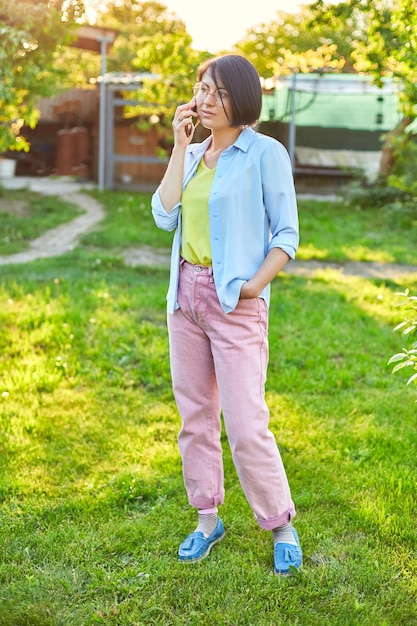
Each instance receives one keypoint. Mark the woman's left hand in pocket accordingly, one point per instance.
(247, 291)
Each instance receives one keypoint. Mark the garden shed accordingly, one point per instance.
(329, 120)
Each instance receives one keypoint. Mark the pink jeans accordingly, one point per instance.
(219, 363)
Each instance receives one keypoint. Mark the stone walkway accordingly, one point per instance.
(64, 238)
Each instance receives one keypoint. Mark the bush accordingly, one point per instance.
(404, 172)
(398, 192)
(408, 357)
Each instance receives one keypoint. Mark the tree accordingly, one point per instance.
(288, 42)
(154, 41)
(31, 32)
(141, 26)
(384, 44)
(137, 22)
(172, 58)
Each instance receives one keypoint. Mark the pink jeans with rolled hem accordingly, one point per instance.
(219, 363)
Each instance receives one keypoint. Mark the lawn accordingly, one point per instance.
(92, 502)
(331, 231)
(25, 215)
(340, 232)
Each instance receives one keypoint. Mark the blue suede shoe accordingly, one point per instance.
(287, 556)
(196, 546)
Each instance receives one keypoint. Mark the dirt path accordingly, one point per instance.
(364, 269)
(64, 238)
(145, 255)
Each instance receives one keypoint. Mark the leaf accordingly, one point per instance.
(401, 365)
(397, 357)
(413, 377)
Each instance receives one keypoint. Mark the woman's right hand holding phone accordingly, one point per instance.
(183, 123)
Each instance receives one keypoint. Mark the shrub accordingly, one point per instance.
(397, 193)
(408, 356)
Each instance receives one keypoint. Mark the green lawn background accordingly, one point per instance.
(92, 502)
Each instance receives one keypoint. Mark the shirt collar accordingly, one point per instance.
(242, 142)
(244, 139)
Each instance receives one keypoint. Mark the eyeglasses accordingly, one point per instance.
(201, 92)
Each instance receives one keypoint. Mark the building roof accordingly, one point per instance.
(334, 101)
(92, 37)
(127, 78)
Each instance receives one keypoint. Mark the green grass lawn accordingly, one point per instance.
(92, 502)
(330, 231)
(339, 232)
(25, 215)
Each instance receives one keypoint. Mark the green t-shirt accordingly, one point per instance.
(195, 217)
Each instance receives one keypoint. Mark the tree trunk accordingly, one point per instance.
(388, 148)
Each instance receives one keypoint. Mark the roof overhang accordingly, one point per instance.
(92, 38)
(337, 84)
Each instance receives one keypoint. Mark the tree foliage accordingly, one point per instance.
(408, 326)
(151, 40)
(31, 31)
(384, 40)
(384, 45)
(288, 41)
(137, 23)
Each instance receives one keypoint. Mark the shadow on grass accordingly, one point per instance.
(93, 505)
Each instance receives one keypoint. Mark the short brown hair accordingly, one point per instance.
(241, 80)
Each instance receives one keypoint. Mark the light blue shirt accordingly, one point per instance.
(252, 208)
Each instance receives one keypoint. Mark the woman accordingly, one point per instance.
(231, 201)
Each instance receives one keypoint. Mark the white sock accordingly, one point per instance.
(284, 534)
(207, 522)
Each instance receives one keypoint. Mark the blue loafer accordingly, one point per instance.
(287, 556)
(196, 546)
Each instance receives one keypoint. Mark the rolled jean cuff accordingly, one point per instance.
(274, 522)
(206, 503)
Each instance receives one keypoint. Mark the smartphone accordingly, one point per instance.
(189, 129)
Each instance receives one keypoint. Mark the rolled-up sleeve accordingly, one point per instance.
(280, 199)
(163, 219)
